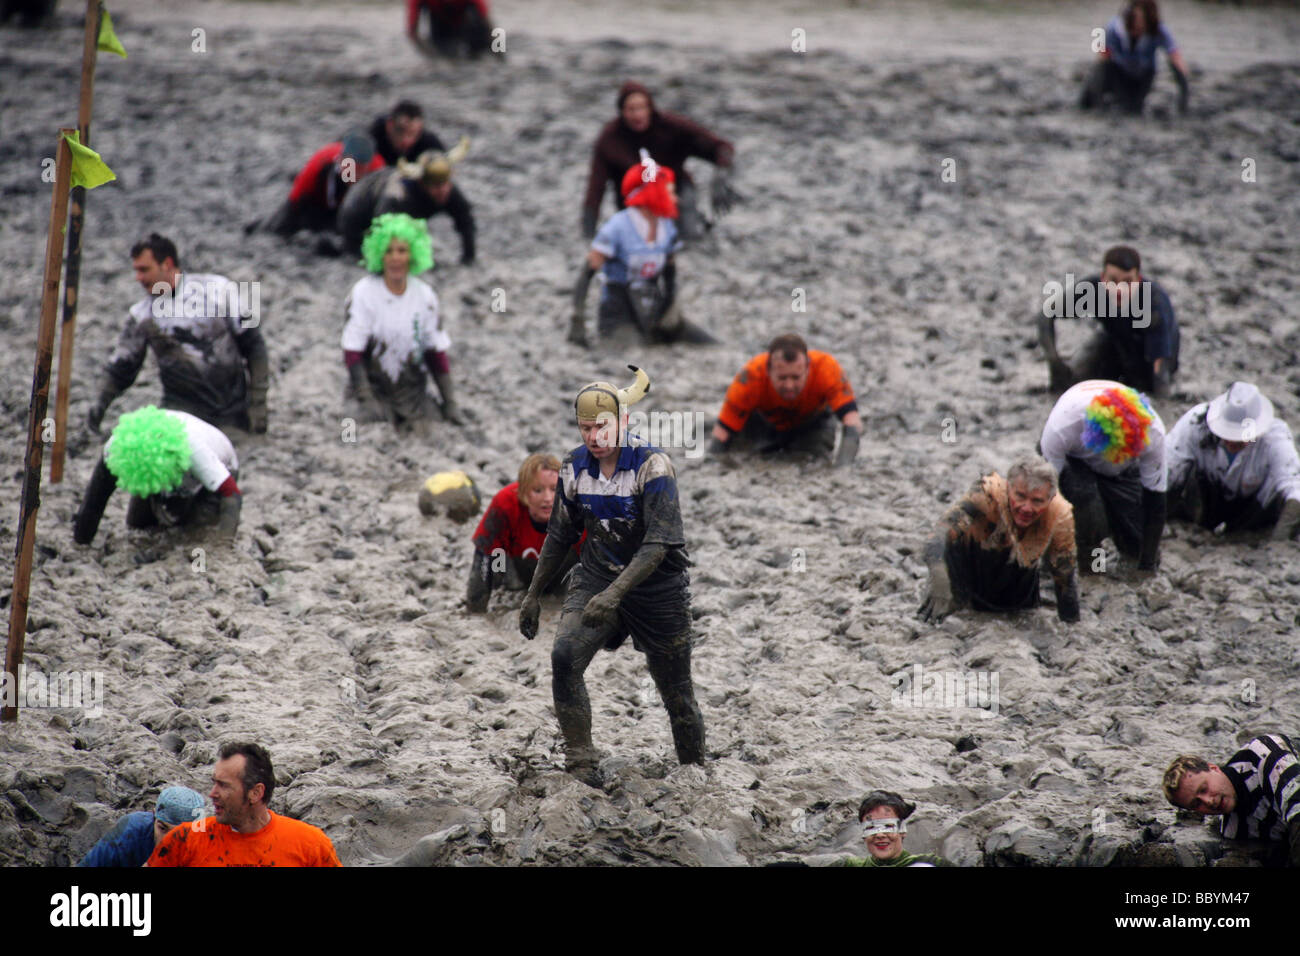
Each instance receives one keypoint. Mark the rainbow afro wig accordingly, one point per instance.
(1116, 423)
(149, 452)
(397, 225)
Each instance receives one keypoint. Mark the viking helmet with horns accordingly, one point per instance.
(602, 398)
(433, 167)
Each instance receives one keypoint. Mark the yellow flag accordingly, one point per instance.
(87, 168)
(108, 41)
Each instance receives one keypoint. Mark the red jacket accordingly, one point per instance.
(311, 186)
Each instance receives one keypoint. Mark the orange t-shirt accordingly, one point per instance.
(751, 390)
(282, 842)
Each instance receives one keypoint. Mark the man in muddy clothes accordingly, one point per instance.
(211, 357)
(787, 399)
(1136, 338)
(988, 548)
(631, 577)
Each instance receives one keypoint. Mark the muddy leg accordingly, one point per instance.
(672, 675)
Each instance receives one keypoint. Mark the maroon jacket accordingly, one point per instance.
(669, 141)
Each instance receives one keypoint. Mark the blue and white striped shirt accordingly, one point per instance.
(636, 505)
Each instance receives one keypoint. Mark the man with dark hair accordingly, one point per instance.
(631, 577)
(1126, 66)
(400, 134)
(1256, 791)
(212, 360)
(784, 399)
(1136, 341)
(882, 815)
(670, 140)
(244, 832)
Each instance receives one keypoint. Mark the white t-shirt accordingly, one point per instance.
(212, 457)
(1063, 436)
(402, 327)
(1265, 468)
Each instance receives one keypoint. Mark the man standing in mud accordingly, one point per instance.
(631, 578)
(211, 357)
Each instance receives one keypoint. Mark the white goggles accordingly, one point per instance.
(887, 825)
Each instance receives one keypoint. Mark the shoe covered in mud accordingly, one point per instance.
(587, 772)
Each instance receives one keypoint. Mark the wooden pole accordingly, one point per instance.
(31, 502)
(94, 13)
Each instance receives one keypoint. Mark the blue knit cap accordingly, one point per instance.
(176, 805)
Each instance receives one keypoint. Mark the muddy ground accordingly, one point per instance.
(333, 631)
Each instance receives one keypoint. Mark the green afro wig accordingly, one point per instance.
(149, 451)
(397, 225)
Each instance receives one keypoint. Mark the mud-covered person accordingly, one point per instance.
(211, 357)
(670, 140)
(1107, 445)
(133, 839)
(882, 817)
(450, 25)
(244, 831)
(394, 340)
(1137, 339)
(989, 546)
(788, 399)
(1233, 462)
(634, 252)
(509, 536)
(420, 189)
(401, 134)
(1256, 791)
(631, 577)
(179, 471)
(321, 185)
(1126, 67)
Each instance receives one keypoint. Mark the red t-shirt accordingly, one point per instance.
(827, 387)
(507, 525)
(312, 184)
(284, 841)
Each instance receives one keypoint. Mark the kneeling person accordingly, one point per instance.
(989, 546)
(393, 328)
(631, 577)
(1232, 462)
(784, 399)
(510, 535)
(178, 469)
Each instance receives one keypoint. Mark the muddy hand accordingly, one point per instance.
(529, 612)
(602, 609)
(1288, 523)
(938, 602)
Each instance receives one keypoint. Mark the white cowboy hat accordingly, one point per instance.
(1240, 413)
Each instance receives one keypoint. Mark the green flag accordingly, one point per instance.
(108, 41)
(87, 168)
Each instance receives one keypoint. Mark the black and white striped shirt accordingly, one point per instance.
(1266, 776)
